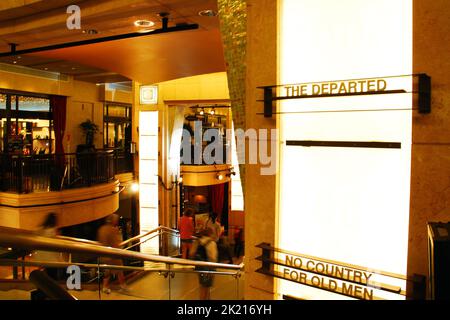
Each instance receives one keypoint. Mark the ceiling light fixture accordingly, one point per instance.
(90, 31)
(219, 176)
(207, 13)
(212, 112)
(144, 23)
(202, 112)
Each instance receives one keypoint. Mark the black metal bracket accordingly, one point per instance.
(424, 90)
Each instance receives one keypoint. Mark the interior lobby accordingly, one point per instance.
(314, 134)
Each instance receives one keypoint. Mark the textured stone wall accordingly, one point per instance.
(430, 162)
(233, 27)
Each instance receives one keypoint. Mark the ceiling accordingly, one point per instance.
(147, 59)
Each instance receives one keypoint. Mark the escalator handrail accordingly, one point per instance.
(168, 230)
(11, 262)
(16, 238)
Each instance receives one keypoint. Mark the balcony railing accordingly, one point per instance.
(56, 172)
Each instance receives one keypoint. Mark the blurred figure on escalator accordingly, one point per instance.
(49, 229)
(110, 235)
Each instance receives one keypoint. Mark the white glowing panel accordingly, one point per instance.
(237, 196)
(346, 204)
(148, 177)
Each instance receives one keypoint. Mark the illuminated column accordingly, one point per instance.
(148, 177)
(343, 203)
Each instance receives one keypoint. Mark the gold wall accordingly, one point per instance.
(430, 167)
(261, 191)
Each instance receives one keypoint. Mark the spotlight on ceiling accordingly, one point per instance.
(90, 31)
(207, 13)
(144, 23)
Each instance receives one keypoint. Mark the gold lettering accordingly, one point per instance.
(332, 285)
(288, 260)
(371, 85)
(349, 273)
(303, 277)
(322, 267)
(367, 275)
(361, 85)
(381, 84)
(348, 290)
(315, 89)
(343, 88)
(368, 294)
(330, 273)
(352, 87)
(315, 280)
(358, 292)
(333, 87)
(295, 91)
(357, 276)
(303, 89)
(294, 275)
(325, 88)
(339, 272)
(307, 265)
(285, 272)
(288, 90)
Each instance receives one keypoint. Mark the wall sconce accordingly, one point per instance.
(232, 173)
(134, 187)
(212, 112)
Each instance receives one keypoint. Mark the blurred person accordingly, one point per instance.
(204, 248)
(110, 235)
(186, 232)
(214, 226)
(49, 229)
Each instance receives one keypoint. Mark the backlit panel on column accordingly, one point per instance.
(148, 177)
(342, 203)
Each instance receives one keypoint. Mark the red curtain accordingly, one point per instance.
(58, 107)
(217, 197)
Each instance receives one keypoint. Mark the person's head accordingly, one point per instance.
(50, 221)
(188, 212)
(213, 216)
(113, 219)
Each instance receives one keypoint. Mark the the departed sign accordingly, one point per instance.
(322, 275)
(335, 88)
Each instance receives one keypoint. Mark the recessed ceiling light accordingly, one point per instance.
(90, 31)
(144, 23)
(207, 13)
(14, 61)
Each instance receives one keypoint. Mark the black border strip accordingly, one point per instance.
(345, 144)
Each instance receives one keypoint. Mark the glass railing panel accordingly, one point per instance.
(190, 284)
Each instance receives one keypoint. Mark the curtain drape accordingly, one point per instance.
(217, 196)
(58, 107)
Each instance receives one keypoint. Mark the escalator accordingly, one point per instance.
(163, 278)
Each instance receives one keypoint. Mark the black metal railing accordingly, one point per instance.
(55, 172)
